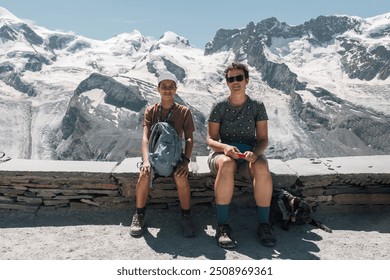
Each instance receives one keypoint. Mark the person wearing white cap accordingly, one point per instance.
(181, 119)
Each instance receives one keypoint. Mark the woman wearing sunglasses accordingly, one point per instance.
(238, 135)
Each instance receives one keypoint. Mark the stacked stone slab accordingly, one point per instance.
(32, 184)
(29, 185)
(343, 181)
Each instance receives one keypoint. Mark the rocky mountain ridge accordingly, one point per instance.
(324, 83)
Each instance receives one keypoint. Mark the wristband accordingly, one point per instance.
(186, 159)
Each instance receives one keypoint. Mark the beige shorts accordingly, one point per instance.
(242, 168)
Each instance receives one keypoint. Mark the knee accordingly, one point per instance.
(181, 182)
(226, 165)
(261, 165)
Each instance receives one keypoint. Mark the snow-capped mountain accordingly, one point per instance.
(325, 85)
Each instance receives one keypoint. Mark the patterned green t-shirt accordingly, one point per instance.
(238, 124)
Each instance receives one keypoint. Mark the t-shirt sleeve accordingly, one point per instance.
(189, 125)
(215, 115)
(261, 112)
(148, 117)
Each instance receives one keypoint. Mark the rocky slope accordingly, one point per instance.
(325, 84)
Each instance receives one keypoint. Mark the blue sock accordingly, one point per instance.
(263, 214)
(222, 214)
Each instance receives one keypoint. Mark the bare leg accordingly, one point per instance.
(183, 191)
(142, 189)
(224, 189)
(262, 182)
(224, 182)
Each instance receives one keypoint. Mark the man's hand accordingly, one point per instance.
(145, 168)
(182, 169)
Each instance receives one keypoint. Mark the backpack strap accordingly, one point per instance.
(168, 115)
(280, 199)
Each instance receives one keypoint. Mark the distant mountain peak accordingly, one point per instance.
(325, 84)
(7, 15)
(170, 38)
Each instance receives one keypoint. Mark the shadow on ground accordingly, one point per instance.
(163, 236)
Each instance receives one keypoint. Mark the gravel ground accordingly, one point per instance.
(103, 235)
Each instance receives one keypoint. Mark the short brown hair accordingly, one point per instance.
(237, 65)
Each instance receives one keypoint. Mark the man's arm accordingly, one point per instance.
(145, 150)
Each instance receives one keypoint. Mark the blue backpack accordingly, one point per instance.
(165, 147)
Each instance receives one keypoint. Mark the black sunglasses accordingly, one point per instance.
(238, 78)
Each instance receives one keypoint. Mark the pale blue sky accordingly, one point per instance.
(196, 20)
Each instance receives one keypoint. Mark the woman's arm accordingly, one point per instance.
(261, 137)
(214, 143)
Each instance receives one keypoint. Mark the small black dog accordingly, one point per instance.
(289, 210)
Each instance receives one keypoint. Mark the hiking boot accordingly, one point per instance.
(137, 225)
(224, 237)
(188, 226)
(265, 232)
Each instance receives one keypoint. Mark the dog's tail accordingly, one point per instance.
(320, 225)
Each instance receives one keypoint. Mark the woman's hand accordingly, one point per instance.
(231, 151)
(234, 152)
(251, 156)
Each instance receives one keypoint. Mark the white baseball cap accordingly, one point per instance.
(167, 76)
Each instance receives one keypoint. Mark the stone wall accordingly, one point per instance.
(30, 185)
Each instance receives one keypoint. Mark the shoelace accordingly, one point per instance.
(225, 231)
(136, 221)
